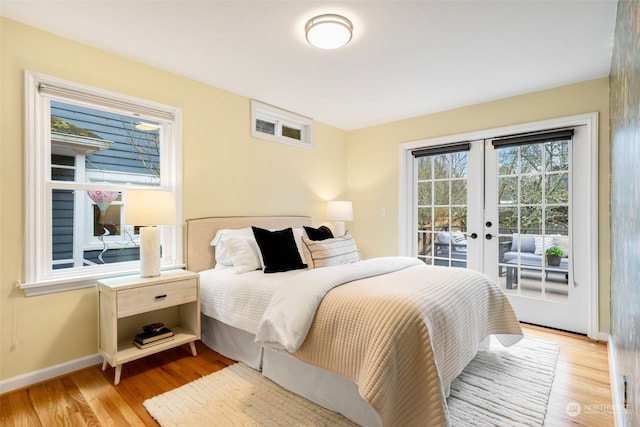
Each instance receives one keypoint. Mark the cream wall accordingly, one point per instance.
(376, 149)
(226, 172)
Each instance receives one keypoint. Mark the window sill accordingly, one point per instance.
(52, 286)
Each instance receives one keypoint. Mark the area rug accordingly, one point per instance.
(500, 387)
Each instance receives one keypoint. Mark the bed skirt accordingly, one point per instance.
(327, 389)
(231, 342)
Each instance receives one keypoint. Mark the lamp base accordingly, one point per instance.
(340, 229)
(149, 251)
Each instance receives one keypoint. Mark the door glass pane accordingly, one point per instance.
(557, 188)
(441, 192)
(442, 209)
(441, 166)
(425, 166)
(507, 190)
(508, 161)
(459, 165)
(530, 159)
(533, 215)
(531, 189)
(459, 192)
(424, 193)
(557, 156)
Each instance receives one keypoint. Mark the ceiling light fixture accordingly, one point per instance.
(328, 31)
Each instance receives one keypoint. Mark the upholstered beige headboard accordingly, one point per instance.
(201, 231)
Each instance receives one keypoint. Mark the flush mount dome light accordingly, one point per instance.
(328, 31)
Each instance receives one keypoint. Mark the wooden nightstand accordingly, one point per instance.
(127, 303)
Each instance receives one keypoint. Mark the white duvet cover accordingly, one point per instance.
(239, 300)
(262, 304)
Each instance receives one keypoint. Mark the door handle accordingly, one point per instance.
(488, 236)
(473, 235)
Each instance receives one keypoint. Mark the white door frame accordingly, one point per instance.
(406, 244)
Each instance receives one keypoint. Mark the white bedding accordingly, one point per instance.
(289, 315)
(283, 310)
(239, 300)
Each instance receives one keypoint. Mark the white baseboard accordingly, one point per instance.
(35, 377)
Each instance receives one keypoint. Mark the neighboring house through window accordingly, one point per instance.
(85, 148)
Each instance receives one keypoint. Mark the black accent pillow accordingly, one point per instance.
(321, 233)
(278, 249)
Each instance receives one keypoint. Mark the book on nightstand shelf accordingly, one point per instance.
(152, 343)
(149, 337)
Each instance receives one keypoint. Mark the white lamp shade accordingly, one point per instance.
(149, 207)
(340, 211)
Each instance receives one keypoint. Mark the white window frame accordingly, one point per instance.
(39, 277)
(279, 118)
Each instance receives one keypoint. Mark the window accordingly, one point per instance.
(277, 125)
(84, 149)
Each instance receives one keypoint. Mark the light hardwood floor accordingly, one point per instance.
(88, 397)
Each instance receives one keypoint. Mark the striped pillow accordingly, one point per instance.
(459, 238)
(334, 251)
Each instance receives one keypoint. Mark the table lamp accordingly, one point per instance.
(339, 211)
(148, 209)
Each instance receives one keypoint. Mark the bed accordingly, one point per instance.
(379, 340)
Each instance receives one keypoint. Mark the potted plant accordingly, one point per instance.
(554, 254)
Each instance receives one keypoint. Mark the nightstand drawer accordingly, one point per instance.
(154, 297)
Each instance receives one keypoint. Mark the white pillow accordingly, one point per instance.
(328, 252)
(243, 252)
(223, 256)
(562, 242)
(548, 242)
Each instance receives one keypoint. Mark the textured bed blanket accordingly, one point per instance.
(400, 336)
(288, 317)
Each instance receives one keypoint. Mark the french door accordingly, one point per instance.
(504, 206)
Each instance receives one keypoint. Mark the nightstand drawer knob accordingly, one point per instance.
(161, 296)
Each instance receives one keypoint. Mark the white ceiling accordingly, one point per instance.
(406, 59)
